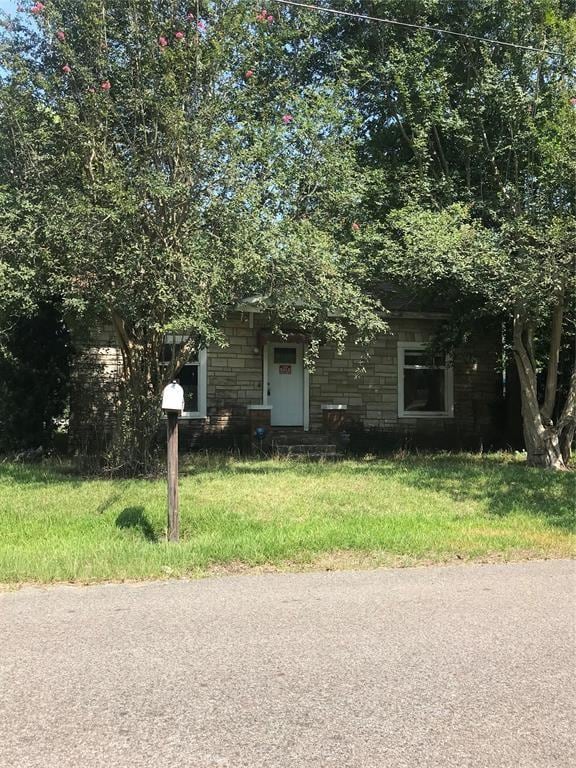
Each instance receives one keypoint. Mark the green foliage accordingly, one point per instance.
(35, 362)
(470, 151)
(171, 162)
(161, 161)
(475, 138)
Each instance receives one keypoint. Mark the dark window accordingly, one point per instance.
(285, 355)
(424, 390)
(169, 352)
(187, 376)
(415, 358)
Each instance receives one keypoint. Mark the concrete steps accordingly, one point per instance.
(310, 445)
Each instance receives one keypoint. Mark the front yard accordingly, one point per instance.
(240, 514)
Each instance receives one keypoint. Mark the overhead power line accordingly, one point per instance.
(407, 25)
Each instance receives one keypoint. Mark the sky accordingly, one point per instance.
(8, 5)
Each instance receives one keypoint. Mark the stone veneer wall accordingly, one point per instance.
(234, 381)
(372, 396)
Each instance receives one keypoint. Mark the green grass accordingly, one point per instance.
(236, 514)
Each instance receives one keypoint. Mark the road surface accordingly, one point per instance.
(443, 666)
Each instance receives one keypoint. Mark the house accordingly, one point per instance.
(403, 396)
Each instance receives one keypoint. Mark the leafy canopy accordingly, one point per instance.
(162, 160)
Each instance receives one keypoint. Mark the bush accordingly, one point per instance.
(35, 364)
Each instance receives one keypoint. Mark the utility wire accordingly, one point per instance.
(427, 28)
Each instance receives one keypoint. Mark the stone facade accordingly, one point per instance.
(366, 384)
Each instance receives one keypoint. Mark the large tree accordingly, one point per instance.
(469, 150)
(161, 160)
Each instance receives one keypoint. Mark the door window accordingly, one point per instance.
(286, 355)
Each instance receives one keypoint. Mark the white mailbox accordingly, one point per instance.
(173, 398)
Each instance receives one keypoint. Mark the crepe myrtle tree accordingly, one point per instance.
(524, 276)
(167, 159)
(469, 161)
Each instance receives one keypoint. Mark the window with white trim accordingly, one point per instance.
(425, 382)
(191, 377)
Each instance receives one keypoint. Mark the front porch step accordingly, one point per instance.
(299, 437)
(309, 450)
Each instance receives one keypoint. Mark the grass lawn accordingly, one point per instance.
(237, 514)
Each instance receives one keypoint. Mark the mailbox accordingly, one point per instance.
(173, 398)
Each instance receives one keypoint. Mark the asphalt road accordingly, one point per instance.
(445, 666)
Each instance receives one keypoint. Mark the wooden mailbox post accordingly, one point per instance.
(173, 405)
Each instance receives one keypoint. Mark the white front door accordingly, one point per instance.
(285, 384)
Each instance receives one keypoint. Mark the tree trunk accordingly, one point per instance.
(137, 419)
(567, 420)
(136, 428)
(543, 448)
(566, 442)
(133, 450)
(542, 440)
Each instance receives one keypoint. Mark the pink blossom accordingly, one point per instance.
(66, 69)
(37, 8)
(270, 19)
(190, 17)
(201, 25)
(91, 90)
(287, 119)
(162, 42)
(60, 35)
(249, 74)
(355, 226)
(106, 85)
(573, 101)
(179, 35)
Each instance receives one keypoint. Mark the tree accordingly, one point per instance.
(168, 159)
(469, 150)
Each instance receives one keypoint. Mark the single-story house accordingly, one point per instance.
(403, 396)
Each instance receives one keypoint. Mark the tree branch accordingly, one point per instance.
(526, 371)
(441, 154)
(123, 338)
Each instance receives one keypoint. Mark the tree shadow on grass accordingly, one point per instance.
(134, 518)
(502, 488)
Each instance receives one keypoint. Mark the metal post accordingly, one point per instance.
(172, 461)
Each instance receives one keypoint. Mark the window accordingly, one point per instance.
(191, 377)
(285, 355)
(425, 383)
